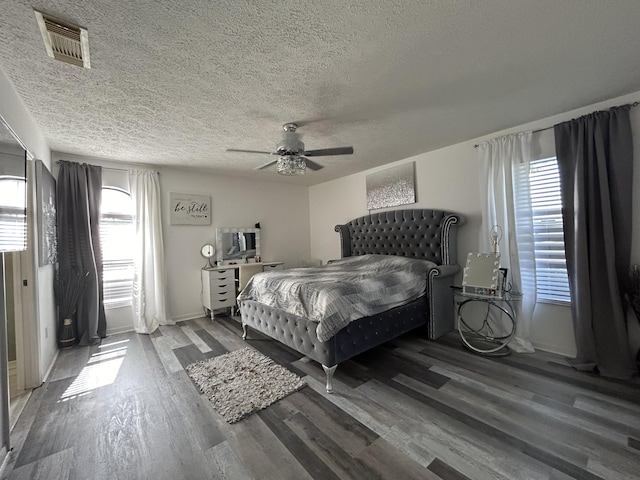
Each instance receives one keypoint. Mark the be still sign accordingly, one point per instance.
(187, 209)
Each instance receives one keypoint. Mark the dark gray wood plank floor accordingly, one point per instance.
(411, 409)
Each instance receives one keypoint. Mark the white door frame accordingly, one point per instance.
(28, 323)
(16, 281)
(27, 354)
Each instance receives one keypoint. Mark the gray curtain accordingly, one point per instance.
(79, 194)
(595, 159)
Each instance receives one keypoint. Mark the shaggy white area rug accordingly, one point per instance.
(242, 382)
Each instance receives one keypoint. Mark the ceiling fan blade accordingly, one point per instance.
(329, 151)
(266, 165)
(311, 165)
(249, 151)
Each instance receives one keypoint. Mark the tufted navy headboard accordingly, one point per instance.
(426, 234)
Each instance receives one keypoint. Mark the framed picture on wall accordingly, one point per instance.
(189, 209)
(391, 187)
(46, 215)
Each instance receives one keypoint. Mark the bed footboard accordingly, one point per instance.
(357, 337)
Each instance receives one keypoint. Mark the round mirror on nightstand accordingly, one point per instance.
(208, 251)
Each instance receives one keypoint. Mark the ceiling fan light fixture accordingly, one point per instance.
(291, 165)
(292, 158)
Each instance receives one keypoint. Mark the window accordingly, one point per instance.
(117, 237)
(552, 282)
(13, 213)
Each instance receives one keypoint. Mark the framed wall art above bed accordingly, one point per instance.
(391, 187)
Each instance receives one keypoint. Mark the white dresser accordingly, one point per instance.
(218, 288)
(219, 285)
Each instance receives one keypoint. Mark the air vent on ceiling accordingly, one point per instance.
(64, 41)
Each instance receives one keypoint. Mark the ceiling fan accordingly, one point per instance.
(292, 157)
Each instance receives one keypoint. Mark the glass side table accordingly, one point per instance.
(486, 323)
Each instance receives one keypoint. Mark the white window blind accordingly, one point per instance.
(13, 214)
(117, 235)
(552, 282)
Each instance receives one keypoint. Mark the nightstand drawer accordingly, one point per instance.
(223, 292)
(221, 275)
(269, 267)
(220, 302)
(229, 285)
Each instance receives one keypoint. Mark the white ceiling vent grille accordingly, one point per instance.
(64, 41)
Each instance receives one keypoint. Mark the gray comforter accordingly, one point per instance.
(335, 294)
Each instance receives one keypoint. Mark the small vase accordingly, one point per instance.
(67, 337)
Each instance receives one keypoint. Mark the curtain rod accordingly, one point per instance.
(116, 169)
(634, 104)
(108, 168)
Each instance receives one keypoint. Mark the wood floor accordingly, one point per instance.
(412, 409)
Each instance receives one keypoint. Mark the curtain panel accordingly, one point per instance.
(506, 202)
(595, 160)
(149, 280)
(79, 195)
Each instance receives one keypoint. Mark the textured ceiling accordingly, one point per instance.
(177, 82)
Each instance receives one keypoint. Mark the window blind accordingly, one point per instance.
(117, 237)
(117, 276)
(13, 229)
(552, 282)
(13, 214)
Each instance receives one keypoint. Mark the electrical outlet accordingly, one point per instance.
(46, 332)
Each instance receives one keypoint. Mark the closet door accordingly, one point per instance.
(13, 238)
(4, 365)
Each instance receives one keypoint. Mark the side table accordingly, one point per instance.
(486, 331)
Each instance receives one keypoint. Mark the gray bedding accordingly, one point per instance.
(335, 294)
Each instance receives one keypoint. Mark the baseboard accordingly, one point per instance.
(553, 349)
(115, 331)
(17, 406)
(53, 362)
(179, 318)
(5, 460)
(188, 316)
(12, 371)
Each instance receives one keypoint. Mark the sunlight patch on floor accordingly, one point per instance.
(101, 370)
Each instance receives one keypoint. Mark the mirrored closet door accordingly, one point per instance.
(13, 240)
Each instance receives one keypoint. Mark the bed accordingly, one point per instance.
(427, 235)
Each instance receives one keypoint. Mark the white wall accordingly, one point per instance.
(448, 179)
(281, 209)
(43, 315)
(18, 118)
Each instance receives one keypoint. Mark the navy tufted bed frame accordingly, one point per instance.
(424, 234)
